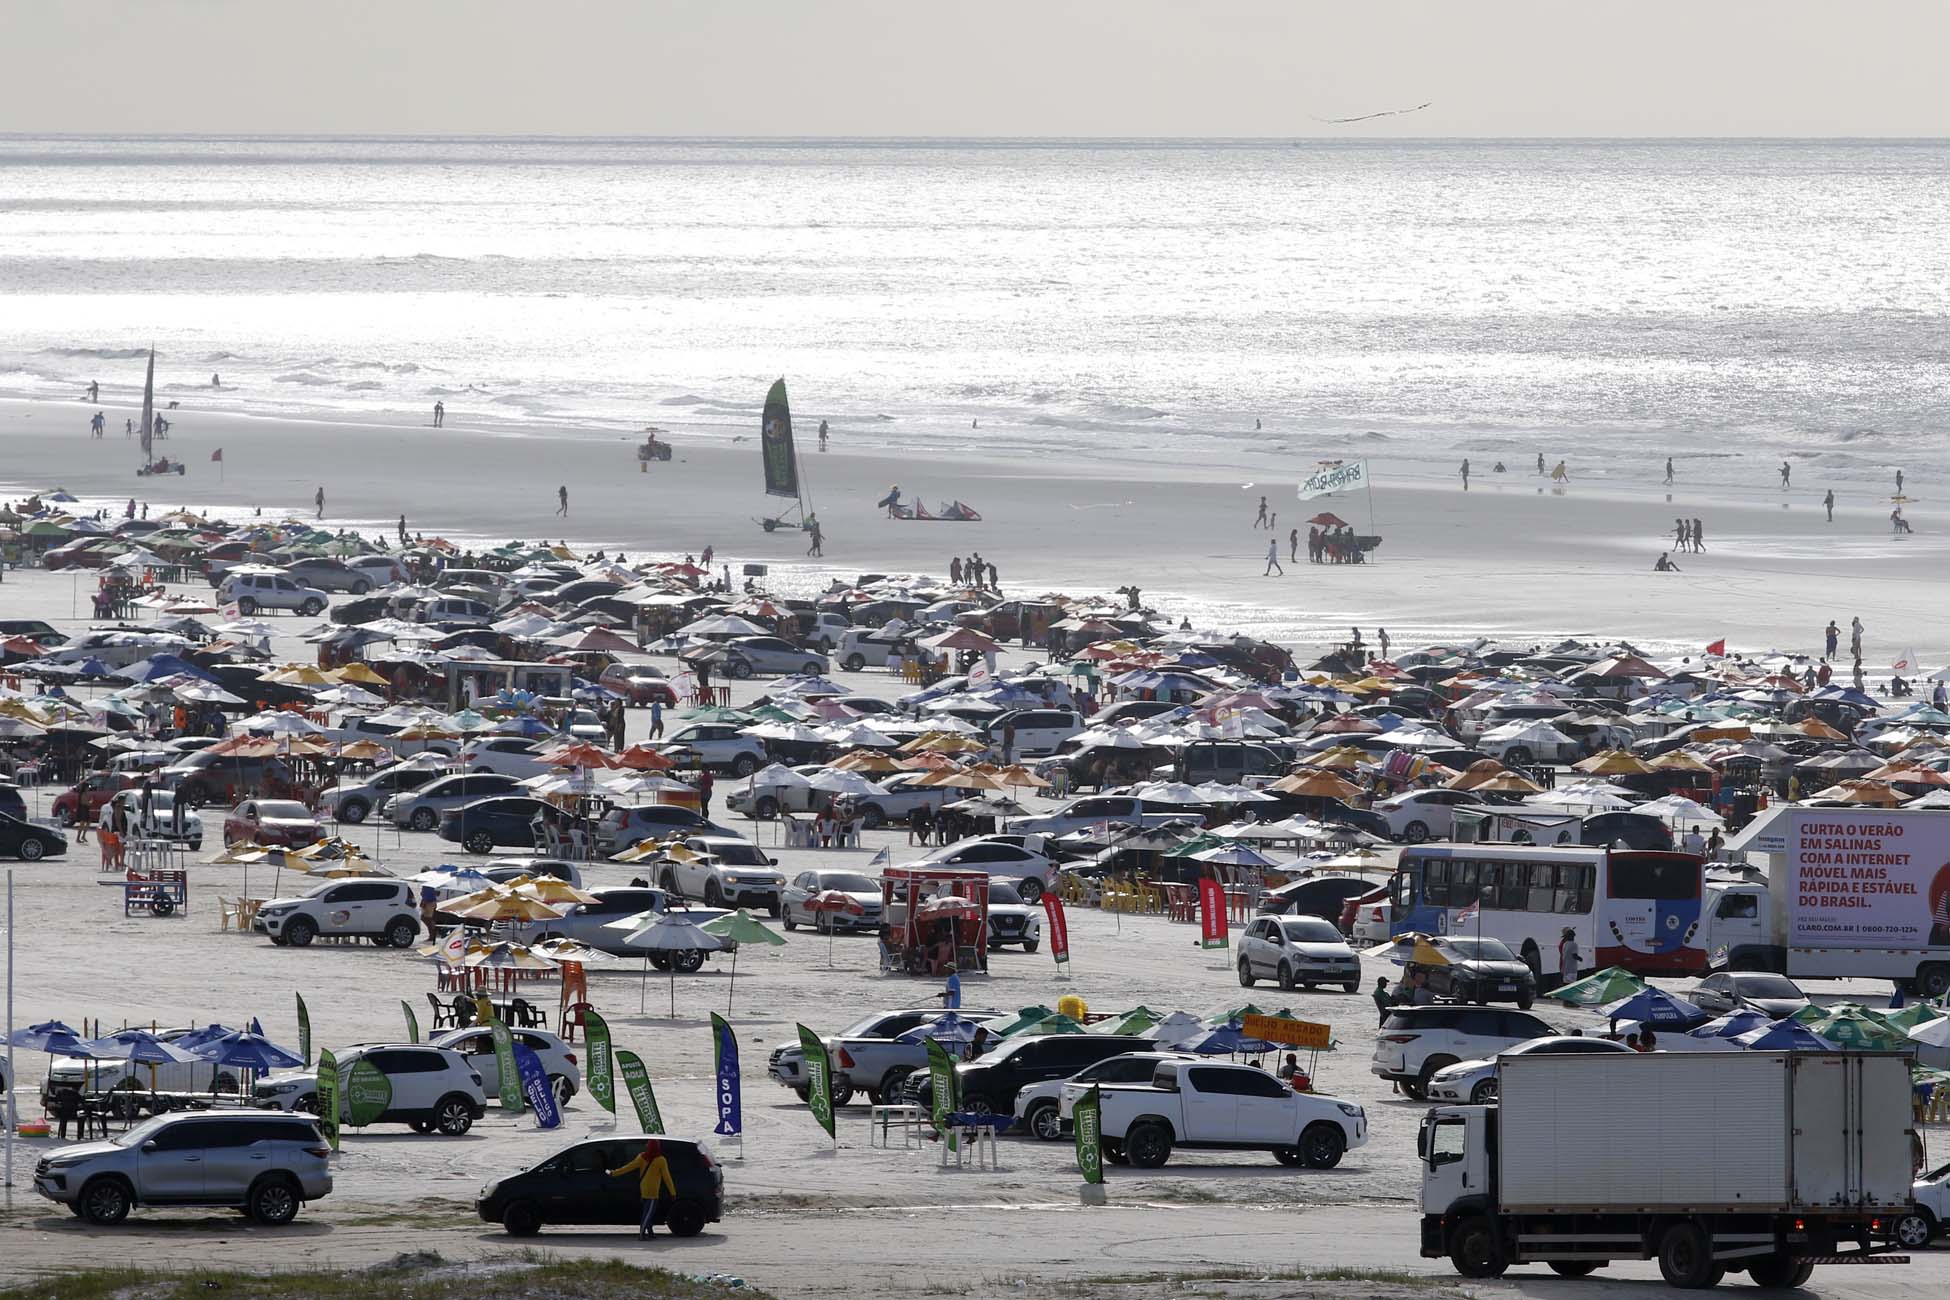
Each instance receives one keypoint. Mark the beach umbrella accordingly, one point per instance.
(1613, 762)
(556, 893)
(1176, 1028)
(1931, 1039)
(1678, 762)
(1786, 1035)
(1132, 1023)
(1864, 793)
(948, 906)
(1732, 1025)
(1056, 1024)
(1233, 855)
(671, 936)
(1355, 859)
(742, 928)
(1508, 783)
(1231, 1015)
(247, 1051)
(497, 903)
(49, 1036)
(1020, 778)
(643, 758)
(1022, 1019)
(1654, 1007)
(843, 783)
(136, 1046)
(946, 1028)
(864, 760)
(1227, 1040)
(1608, 985)
(1680, 810)
(1316, 784)
(1851, 1028)
(836, 903)
(1476, 773)
(1909, 1017)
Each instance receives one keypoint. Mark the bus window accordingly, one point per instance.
(1401, 889)
(1653, 876)
(1540, 892)
(1463, 886)
(1435, 883)
(1573, 892)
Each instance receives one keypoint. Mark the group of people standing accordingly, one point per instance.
(974, 572)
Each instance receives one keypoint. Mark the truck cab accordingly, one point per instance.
(1738, 929)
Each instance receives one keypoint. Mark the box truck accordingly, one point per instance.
(1854, 893)
(1767, 1162)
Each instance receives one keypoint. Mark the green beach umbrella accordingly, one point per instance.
(1024, 1018)
(1131, 1023)
(1848, 1027)
(1609, 985)
(1057, 1024)
(1914, 1014)
(1219, 1019)
(742, 928)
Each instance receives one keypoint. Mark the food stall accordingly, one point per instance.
(937, 919)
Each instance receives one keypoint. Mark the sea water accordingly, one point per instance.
(1611, 303)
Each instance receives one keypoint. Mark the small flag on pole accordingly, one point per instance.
(1718, 647)
(217, 454)
(881, 858)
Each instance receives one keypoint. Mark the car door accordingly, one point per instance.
(1715, 993)
(235, 1152)
(342, 910)
(169, 1165)
(1264, 1109)
(478, 1048)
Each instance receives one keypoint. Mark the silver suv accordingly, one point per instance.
(264, 1164)
(254, 591)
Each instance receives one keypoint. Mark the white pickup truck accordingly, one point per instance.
(1220, 1107)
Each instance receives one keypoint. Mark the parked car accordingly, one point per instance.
(477, 1045)
(747, 656)
(265, 1165)
(808, 885)
(787, 1067)
(514, 756)
(1319, 896)
(861, 648)
(385, 911)
(1925, 1219)
(1421, 815)
(254, 592)
(352, 800)
(625, 827)
(1476, 1081)
(725, 871)
(716, 745)
(990, 1083)
(83, 800)
(1081, 814)
(1772, 995)
(163, 821)
(453, 610)
(1039, 1109)
(434, 1089)
(30, 843)
(420, 809)
(1011, 920)
(590, 923)
(1479, 970)
(1415, 1042)
(1299, 952)
(284, 822)
(328, 574)
(12, 802)
(1225, 1107)
(204, 778)
(498, 821)
(639, 684)
(92, 1077)
(574, 1187)
(1027, 871)
(1037, 731)
(380, 570)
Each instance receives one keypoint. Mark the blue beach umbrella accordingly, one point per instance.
(1732, 1025)
(1657, 1008)
(1786, 1035)
(248, 1051)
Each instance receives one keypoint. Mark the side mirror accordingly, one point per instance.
(149, 1147)
(772, 861)
(1422, 1143)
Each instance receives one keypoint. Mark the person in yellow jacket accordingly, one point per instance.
(655, 1185)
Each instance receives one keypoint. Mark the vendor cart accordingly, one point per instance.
(937, 918)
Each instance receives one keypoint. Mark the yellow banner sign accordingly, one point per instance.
(1290, 1033)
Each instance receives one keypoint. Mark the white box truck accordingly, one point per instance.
(1768, 1162)
(1854, 893)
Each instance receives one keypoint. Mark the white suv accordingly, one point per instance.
(257, 591)
(1417, 1041)
(384, 911)
(726, 871)
(434, 1089)
(477, 1045)
(1298, 951)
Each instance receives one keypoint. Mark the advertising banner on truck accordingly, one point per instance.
(1868, 878)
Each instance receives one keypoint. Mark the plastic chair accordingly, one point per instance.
(573, 1020)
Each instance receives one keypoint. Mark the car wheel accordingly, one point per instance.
(1031, 890)
(791, 924)
(1148, 1145)
(274, 1201)
(354, 811)
(668, 883)
(32, 850)
(423, 819)
(1914, 1230)
(685, 1219)
(420, 1126)
(1114, 1152)
(842, 1092)
(1483, 1093)
(105, 1201)
(688, 962)
(479, 842)
(872, 818)
(1933, 981)
(1286, 978)
(1352, 986)
(312, 607)
(659, 961)
(1246, 977)
(246, 606)
(299, 932)
(64, 817)
(1288, 1156)
(453, 1116)
(743, 765)
(1686, 1257)
(1415, 832)
(811, 669)
(765, 809)
(1031, 945)
(1322, 1145)
(521, 1220)
(1574, 1267)
(309, 1104)
(740, 669)
(855, 662)
(1476, 1251)
(360, 586)
(401, 931)
(1525, 1002)
(713, 893)
(1045, 1121)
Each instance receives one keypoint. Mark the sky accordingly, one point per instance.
(1015, 68)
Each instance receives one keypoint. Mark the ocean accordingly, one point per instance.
(1268, 302)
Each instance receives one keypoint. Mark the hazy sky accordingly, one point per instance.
(999, 67)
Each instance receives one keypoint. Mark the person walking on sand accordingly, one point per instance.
(1569, 960)
(656, 717)
(1560, 474)
(318, 499)
(654, 1184)
(439, 414)
(1668, 471)
(1273, 559)
(94, 390)
(1855, 637)
(1260, 522)
(1465, 473)
(1293, 546)
(562, 500)
(1786, 471)
(1381, 639)
(98, 424)
(1833, 635)
(1679, 533)
(1699, 542)
(1829, 503)
(822, 435)
(818, 538)
(954, 571)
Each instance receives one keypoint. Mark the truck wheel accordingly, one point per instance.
(1246, 976)
(1574, 1267)
(1149, 1146)
(1781, 1271)
(842, 1090)
(890, 1085)
(1476, 1251)
(1933, 981)
(1288, 1156)
(1114, 1152)
(1686, 1257)
(1322, 1145)
(1914, 1230)
(1045, 1121)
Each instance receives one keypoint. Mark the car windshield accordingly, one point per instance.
(738, 855)
(284, 808)
(1001, 893)
(1310, 929)
(142, 1132)
(1759, 984)
(847, 882)
(1480, 949)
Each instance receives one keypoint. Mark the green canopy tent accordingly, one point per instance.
(1916, 1013)
(1023, 1018)
(1851, 1029)
(1057, 1024)
(742, 928)
(1612, 984)
(1131, 1023)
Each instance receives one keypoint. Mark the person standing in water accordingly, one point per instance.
(318, 499)
(1465, 473)
(822, 435)
(402, 530)
(439, 414)
(1786, 471)
(1540, 463)
(562, 500)
(215, 380)
(1899, 482)
(1273, 558)
(1668, 471)
(1260, 522)
(1829, 502)
(94, 390)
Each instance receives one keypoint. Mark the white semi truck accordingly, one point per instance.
(1767, 1162)
(1853, 893)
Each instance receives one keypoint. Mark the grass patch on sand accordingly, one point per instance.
(423, 1276)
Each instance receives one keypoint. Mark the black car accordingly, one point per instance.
(1630, 829)
(1480, 970)
(990, 1083)
(1322, 896)
(12, 802)
(486, 824)
(574, 1186)
(20, 838)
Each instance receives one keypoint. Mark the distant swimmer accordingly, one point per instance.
(216, 380)
(1256, 423)
(1465, 473)
(1668, 471)
(1664, 564)
(1786, 470)
(318, 499)
(562, 500)
(1829, 502)
(439, 414)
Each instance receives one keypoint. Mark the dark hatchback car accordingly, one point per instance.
(1480, 970)
(485, 824)
(990, 1083)
(573, 1186)
(1323, 896)
(28, 842)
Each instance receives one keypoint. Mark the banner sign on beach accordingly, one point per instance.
(412, 1021)
(504, 1064)
(1867, 878)
(1340, 476)
(775, 441)
(535, 1087)
(602, 1081)
(1214, 931)
(1088, 1117)
(819, 1078)
(368, 1093)
(328, 1097)
(1059, 928)
(304, 1029)
(1288, 1033)
(941, 1075)
(724, 1045)
(636, 1081)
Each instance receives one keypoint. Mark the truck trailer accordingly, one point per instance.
(1767, 1162)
